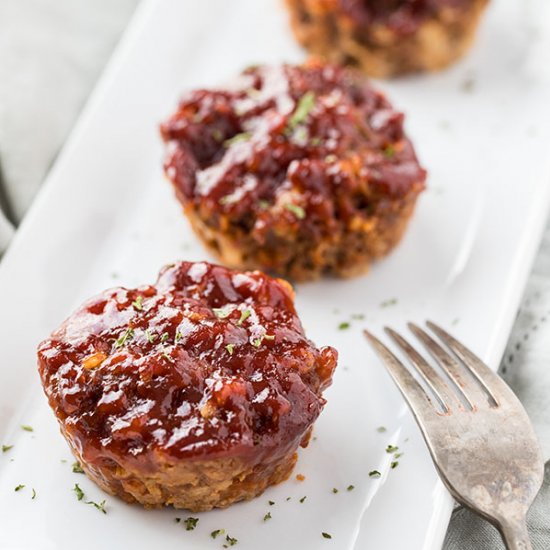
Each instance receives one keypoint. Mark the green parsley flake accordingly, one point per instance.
(230, 348)
(269, 337)
(271, 502)
(138, 303)
(150, 337)
(237, 138)
(177, 520)
(27, 428)
(231, 541)
(358, 316)
(389, 151)
(33, 494)
(77, 468)
(245, 314)
(394, 464)
(257, 342)
(350, 487)
(190, 523)
(298, 211)
(392, 449)
(217, 532)
(334, 490)
(316, 141)
(390, 302)
(78, 491)
(124, 338)
(221, 313)
(302, 500)
(98, 505)
(19, 487)
(303, 108)
(178, 337)
(381, 429)
(397, 455)
(375, 473)
(326, 535)
(6, 448)
(267, 517)
(344, 326)
(164, 337)
(228, 199)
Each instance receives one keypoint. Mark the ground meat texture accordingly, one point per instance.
(298, 170)
(194, 392)
(387, 37)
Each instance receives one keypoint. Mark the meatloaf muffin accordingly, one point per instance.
(194, 392)
(298, 170)
(387, 37)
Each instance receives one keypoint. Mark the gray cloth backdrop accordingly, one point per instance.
(52, 52)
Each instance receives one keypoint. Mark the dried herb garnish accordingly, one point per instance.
(381, 429)
(123, 340)
(350, 487)
(150, 337)
(302, 500)
(245, 314)
(138, 303)
(392, 449)
(98, 505)
(221, 313)
(237, 138)
(190, 523)
(77, 468)
(217, 532)
(6, 448)
(344, 325)
(374, 473)
(27, 428)
(267, 517)
(303, 108)
(19, 487)
(78, 491)
(298, 211)
(326, 535)
(230, 348)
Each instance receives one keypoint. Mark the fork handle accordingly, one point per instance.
(515, 535)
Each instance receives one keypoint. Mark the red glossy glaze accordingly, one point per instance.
(345, 157)
(401, 16)
(207, 362)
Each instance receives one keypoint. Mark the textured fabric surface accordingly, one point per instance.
(51, 53)
(526, 367)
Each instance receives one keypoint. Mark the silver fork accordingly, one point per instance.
(477, 431)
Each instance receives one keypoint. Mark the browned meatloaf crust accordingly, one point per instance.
(387, 37)
(194, 392)
(297, 170)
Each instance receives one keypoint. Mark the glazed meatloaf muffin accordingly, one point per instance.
(297, 170)
(194, 392)
(387, 37)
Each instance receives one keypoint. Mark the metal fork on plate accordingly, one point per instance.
(477, 431)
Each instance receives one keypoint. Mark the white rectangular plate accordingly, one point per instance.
(106, 217)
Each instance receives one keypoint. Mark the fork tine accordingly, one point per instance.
(418, 400)
(491, 382)
(469, 389)
(439, 387)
